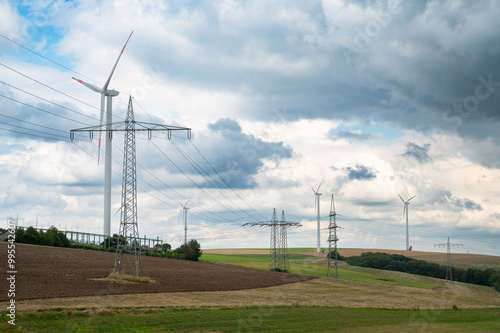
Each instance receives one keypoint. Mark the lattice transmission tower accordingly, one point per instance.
(332, 238)
(128, 253)
(278, 252)
(449, 274)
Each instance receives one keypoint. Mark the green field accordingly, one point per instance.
(260, 319)
(315, 266)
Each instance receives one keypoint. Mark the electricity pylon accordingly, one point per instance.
(449, 275)
(128, 253)
(332, 239)
(278, 249)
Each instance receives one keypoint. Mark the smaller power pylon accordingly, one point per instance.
(278, 252)
(332, 238)
(449, 274)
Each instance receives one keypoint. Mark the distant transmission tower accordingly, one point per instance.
(128, 253)
(332, 238)
(449, 274)
(278, 252)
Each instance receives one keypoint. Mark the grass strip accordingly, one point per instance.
(259, 319)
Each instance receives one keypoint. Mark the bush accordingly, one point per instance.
(190, 251)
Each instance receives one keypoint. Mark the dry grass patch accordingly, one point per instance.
(129, 278)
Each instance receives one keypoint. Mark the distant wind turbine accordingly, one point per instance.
(405, 211)
(109, 93)
(316, 203)
(185, 215)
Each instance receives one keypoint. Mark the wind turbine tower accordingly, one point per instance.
(316, 202)
(405, 211)
(107, 94)
(185, 215)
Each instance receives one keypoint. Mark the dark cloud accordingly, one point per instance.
(229, 153)
(445, 196)
(360, 172)
(467, 204)
(420, 153)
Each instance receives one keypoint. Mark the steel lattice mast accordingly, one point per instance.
(278, 249)
(332, 239)
(128, 254)
(449, 274)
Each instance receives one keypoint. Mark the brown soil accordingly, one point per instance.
(48, 272)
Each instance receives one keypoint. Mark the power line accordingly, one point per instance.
(46, 100)
(40, 109)
(47, 86)
(42, 56)
(203, 190)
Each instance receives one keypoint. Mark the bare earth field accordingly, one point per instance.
(52, 278)
(48, 272)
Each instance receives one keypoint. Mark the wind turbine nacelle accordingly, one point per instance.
(112, 93)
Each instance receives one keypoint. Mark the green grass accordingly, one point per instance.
(259, 319)
(315, 266)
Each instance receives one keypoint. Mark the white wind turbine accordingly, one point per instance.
(185, 215)
(405, 211)
(109, 93)
(316, 203)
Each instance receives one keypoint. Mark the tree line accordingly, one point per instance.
(53, 237)
(400, 263)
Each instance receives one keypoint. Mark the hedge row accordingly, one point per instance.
(400, 263)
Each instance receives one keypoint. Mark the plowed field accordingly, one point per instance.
(48, 272)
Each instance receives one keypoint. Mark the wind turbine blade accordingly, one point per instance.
(411, 198)
(116, 63)
(401, 198)
(88, 85)
(313, 190)
(319, 186)
(404, 211)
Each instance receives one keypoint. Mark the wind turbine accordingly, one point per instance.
(185, 208)
(405, 211)
(316, 203)
(109, 93)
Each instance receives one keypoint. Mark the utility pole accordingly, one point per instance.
(332, 238)
(449, 274)
(278, 249)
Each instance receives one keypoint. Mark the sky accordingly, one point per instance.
(370, 99)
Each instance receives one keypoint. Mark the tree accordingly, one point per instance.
(113, 241)
(185, 252)
(193, 243)
(190, 251)
(31, 236)
(163, 247)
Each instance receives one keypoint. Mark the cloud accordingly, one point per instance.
(420, 153)
(445, 196)
(467, 204)
(350, 135)
(360, 172)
